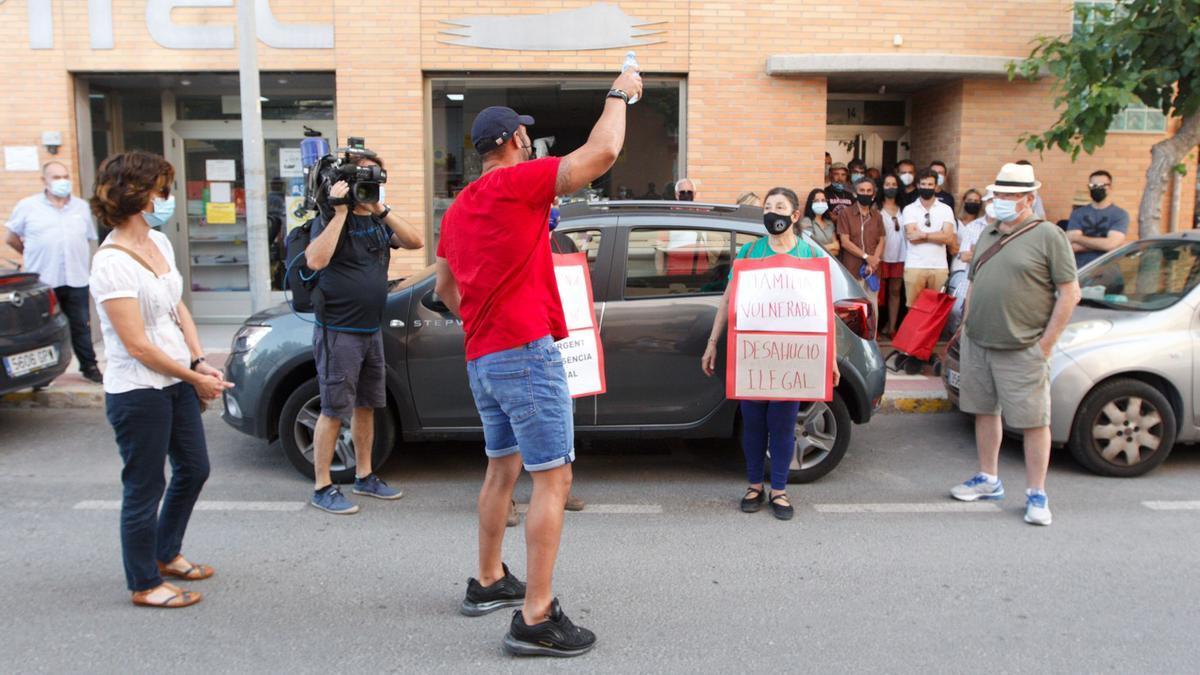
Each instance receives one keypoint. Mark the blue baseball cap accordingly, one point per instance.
(494, 126)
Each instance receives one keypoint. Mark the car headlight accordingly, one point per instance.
(1083, 331)
(249, 336)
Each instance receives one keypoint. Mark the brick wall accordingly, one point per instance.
(936, 128)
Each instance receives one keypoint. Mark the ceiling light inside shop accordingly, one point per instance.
(263, 99)
(186, 83)
(455, 97)
(282, 80)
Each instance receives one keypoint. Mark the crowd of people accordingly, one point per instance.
(897, 230)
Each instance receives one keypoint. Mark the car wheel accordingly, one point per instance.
(822, 436)
(298, 421)
(1124, 428)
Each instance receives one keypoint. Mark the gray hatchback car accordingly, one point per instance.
(658, 271)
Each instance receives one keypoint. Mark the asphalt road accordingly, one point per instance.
(869, 577)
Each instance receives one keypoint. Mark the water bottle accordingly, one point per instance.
(631, 62)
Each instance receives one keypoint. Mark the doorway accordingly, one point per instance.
(873, 128)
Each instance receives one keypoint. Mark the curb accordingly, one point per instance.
(912, 403)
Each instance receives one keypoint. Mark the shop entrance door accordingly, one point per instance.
(211, 249)
(868, 127)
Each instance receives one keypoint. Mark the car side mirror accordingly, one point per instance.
(434, 304)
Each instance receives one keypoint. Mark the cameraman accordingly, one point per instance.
(351, 252)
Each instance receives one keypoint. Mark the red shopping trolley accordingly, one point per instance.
(918, 334)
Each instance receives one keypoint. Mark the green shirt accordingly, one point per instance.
(1013, 295)
(761, 248)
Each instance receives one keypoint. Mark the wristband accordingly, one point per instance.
(196, 362)
(619, 93)
(386, 211)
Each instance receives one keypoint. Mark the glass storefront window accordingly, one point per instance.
(565, 110)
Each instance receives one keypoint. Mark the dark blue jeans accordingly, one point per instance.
(151, 426)
(773, 423)
(74, 303)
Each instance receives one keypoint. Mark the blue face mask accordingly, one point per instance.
(60, 188)
(163, 210)
(839, 186)
(820, 208)
(855, 177)
(1006, 210)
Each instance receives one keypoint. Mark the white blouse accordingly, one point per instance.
(116, 275)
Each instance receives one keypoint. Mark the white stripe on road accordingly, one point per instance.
(612, 509)
(1173, 506)
(115, 505)
(929, 507)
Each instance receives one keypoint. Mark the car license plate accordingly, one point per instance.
(953, 378)
(24, 363)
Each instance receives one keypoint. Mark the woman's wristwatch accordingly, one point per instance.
(198, 361)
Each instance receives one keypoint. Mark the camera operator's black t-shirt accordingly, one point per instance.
(355, 283)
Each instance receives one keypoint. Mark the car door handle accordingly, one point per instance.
(433, 303)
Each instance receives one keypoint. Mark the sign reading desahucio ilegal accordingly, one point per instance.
(781, 330)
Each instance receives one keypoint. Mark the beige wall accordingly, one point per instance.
(744, 130)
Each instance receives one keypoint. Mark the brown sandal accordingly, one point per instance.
(181, 598)
(193, 573)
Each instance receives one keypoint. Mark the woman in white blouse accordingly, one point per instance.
(156, 375)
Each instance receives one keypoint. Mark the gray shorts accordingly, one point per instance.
(1011, 382)
(351, 374)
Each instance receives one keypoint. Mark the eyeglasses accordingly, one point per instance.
(1099, 185)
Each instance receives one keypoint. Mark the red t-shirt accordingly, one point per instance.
(496, 239)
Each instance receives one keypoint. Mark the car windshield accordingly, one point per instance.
(1146, 276)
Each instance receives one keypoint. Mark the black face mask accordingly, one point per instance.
(685, 195)
(776, 223)
(865, 200)
(890, 193)
(1098, 193)
(925, 193)
(972, 207)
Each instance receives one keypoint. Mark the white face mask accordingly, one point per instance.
(60, 188)
(990, 210)
(941, 180)
(906, 178)
(382, 195)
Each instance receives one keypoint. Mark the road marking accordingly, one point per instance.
(1173, 506)
(115, 505)
(929, 507)
(611, 509)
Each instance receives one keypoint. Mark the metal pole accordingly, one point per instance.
(253, 161)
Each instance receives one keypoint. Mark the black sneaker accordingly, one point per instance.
(556, 636)
(93, 374)
(508, 591)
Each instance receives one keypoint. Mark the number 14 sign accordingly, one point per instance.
(781, 330)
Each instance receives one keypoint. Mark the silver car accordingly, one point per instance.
(1124, 375)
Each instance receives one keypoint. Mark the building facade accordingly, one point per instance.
(740, 96)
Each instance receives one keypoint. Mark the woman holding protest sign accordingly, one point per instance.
(768, 423)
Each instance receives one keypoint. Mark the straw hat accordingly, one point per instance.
(1014, 178)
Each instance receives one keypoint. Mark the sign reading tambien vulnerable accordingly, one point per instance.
(582, 353)
(781, 330)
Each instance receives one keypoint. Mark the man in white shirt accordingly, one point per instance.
(929, 226)
(52, 230)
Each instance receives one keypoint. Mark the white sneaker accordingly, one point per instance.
(1037, 508)
(978, 487)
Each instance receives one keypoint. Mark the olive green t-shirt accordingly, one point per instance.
(1013, 295)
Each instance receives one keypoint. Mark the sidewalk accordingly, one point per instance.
(904, 394)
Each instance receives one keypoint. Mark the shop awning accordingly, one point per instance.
(900, 73)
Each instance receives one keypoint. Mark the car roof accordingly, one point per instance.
(1184, 235)
(731, 214)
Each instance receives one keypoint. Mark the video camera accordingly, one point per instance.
(364, 181)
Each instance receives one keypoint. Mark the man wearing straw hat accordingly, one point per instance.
(1023, 289)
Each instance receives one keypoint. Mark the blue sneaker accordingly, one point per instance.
(1037, 508)
(978, 487)
(373, 486)
(331, 500)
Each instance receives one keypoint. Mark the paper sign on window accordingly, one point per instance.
(583, 355)
(781, 330)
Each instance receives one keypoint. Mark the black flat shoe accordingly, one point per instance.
(783, 510)
(753, 500)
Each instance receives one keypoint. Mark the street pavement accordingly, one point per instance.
(879, 572)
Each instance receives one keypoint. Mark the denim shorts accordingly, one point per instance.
(351, 372)
(525, 405)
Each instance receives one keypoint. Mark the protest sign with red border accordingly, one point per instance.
(583, 355)
(781, 330)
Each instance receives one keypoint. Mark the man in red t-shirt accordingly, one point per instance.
(495, 271)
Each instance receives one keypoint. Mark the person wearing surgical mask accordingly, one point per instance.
(767, 424)
(906, 172)
(818, 222)
(53, 230)
(858, 171)
(943, 183)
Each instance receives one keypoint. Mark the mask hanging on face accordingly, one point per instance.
(62, 188)
(819, 208)
(839, 186)
(776, 223)
(906, 179)
(163, 210)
